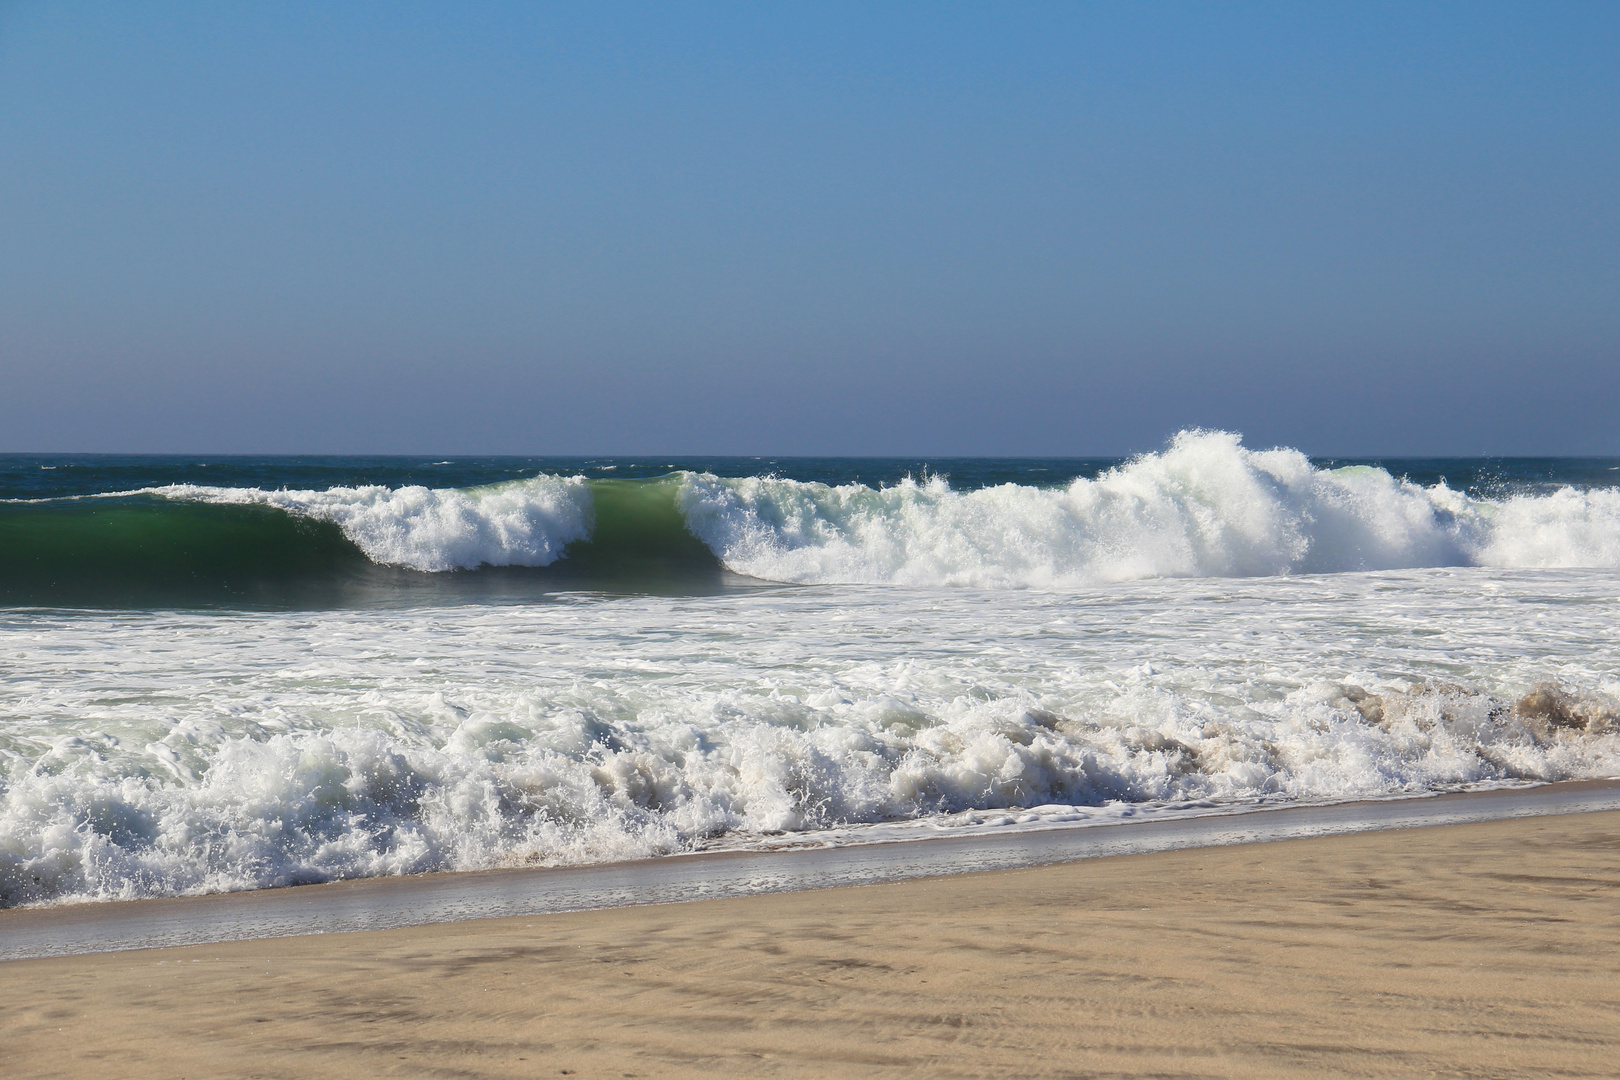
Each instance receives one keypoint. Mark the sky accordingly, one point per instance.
(819, 228)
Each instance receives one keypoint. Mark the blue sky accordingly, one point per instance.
(816, 229)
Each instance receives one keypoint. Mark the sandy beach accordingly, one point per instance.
(1467, 950)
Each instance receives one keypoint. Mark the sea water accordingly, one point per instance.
(223, 674)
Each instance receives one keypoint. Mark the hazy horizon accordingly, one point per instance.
(652, 457)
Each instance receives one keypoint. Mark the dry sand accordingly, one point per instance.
(1466, 950)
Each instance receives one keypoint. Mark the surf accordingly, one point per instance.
(1205, 506)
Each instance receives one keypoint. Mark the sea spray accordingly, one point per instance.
(1204, 507)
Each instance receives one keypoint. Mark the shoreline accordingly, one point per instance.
(384, 903)
(1460, 950)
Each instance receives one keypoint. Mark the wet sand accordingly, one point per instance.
(1461, 950)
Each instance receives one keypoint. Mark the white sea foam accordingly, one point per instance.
(147, 753)
(1207, 625)
(519, 523)
(1205, 507)
(1566, 528)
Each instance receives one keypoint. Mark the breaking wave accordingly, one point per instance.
(522, 523)
(1206, 506)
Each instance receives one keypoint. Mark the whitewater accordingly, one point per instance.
(809, 658)
(1204, 507)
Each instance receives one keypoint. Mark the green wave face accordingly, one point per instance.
(144, 550)
(640, 535)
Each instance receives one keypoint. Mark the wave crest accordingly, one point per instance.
(521, 523)
(1204, 507)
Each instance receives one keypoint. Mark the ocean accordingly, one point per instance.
(227, 673)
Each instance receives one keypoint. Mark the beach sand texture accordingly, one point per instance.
(1478, 950)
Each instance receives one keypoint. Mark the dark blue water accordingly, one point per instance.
(45, 476)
